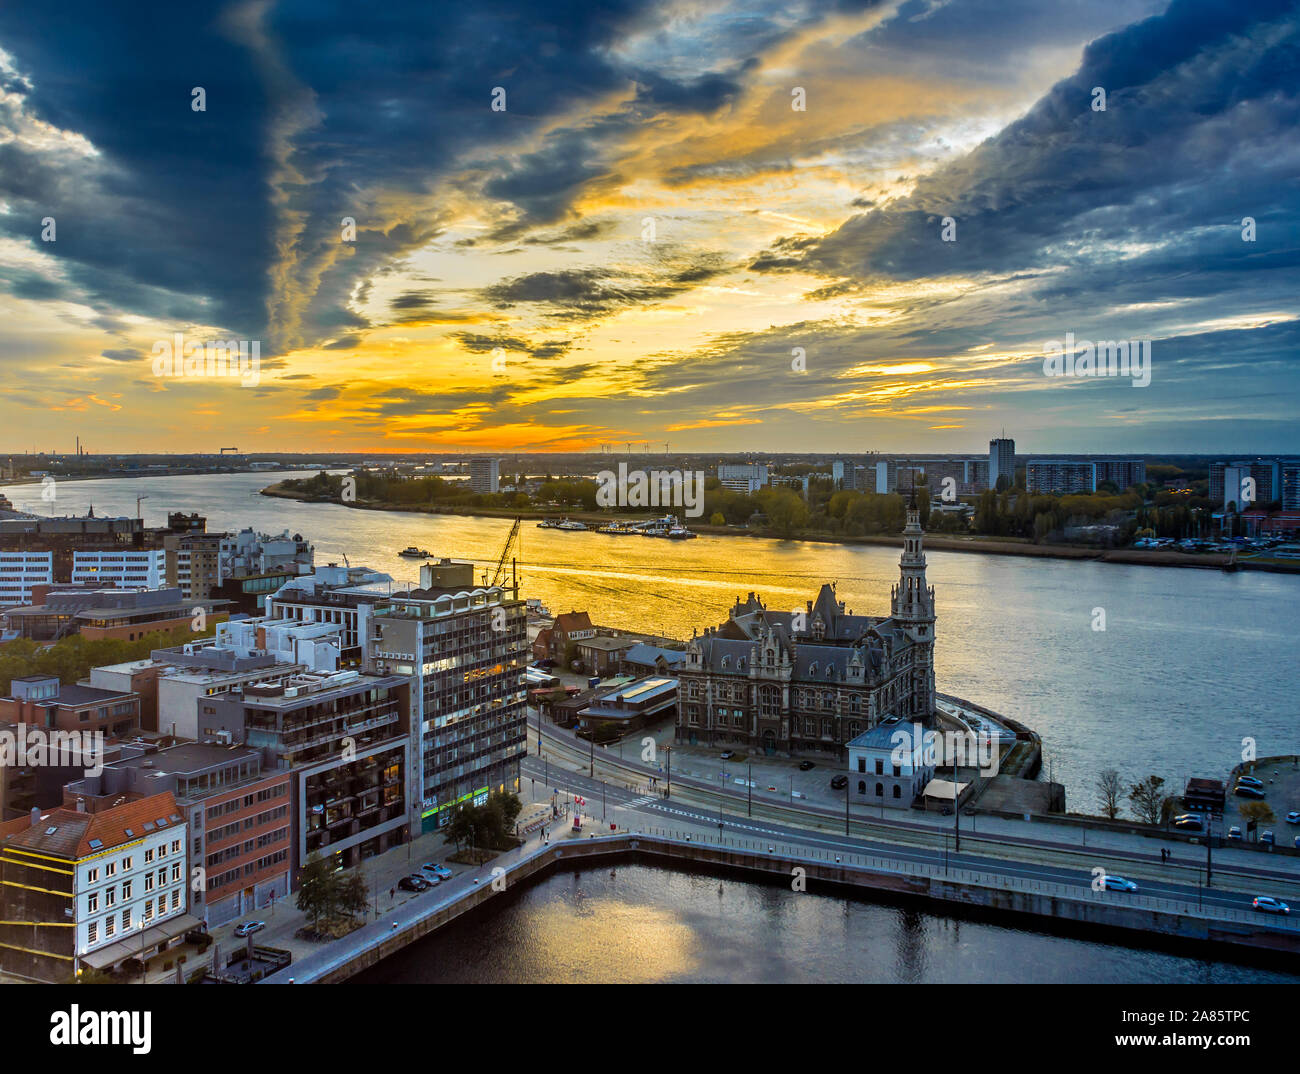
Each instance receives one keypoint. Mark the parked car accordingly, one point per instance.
(1235, 833)
(1250, 781)
(727, 755)
(839, 783)
(438, 869)
(1190, 821)
(1270, 905)
(1244, 790)
(247, 928)
(806, 766)
(1267, 839)
(1118, 883)
(1293, 817)
(414, 883)
(429, 876)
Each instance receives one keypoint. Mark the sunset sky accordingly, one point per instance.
(633, 249)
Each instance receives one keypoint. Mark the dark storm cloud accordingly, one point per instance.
(1201, 104)
(308, 109)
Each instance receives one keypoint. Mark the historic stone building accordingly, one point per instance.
(806, 682)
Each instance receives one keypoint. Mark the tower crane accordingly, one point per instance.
(498, 575)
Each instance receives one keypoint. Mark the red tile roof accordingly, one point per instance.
(73, 831)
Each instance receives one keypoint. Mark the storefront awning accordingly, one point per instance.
(943, 789)
(112, 954)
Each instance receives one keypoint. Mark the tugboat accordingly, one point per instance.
(411, 552)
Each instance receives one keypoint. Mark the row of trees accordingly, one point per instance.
(489, 825)
(72, 658)
(329, 894)
(1150, 802)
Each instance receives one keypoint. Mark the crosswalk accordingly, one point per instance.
(644, 800)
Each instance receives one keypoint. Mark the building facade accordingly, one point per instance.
(806, 683)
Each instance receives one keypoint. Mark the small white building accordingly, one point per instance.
(892, 763)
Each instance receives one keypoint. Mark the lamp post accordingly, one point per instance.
(668, 753)
(847, 781)
(749, 788)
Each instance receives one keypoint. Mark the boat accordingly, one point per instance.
(567, 525)
(411, 552)
(547, 524)
(617, 529)
(679, 533)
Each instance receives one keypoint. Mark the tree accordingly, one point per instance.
(717, 519)
(1109, 788)
(318, 889)
(354, 895)
(460, 829)
(1148, 798)
(1257, 811)
(785, 510)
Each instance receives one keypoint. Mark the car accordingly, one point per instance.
(1267, 839)
(247, 928)
(839, 783)
(1118, 883)
(806, 766)
(1293, 817)
(1242, 790)
(414, 883)
(727, 755)
(1235, 833)
(1191, 821)
(429, 877)
(1270, 905)
(1250, 781)
(437, 869)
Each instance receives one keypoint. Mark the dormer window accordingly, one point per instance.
(812, 668)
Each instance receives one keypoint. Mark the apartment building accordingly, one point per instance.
(484, 475)
(1002, 461)
(239, 814)
(1060, 477)
(464, 650)
(92, 890)
(743, 477)
(43, 701)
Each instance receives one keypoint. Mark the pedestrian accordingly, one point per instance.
(392, 893)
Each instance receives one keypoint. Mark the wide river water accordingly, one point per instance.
(1190, 663)
(643, 924)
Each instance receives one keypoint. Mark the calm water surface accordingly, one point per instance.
(645, 924)
(1191, 661)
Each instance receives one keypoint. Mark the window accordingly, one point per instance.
(148, 881)
(862, 786)
(176, 895)
(880, 790)
(92, 903)
(897, 791)
(110, 867)
(176, 870)
(126, 864)
(148, 856)
(176, 843)
(108, 926)
(92, 876)
(126, 919)
(110, 896)
(126, 889)
(880, 767)
(92, 932)
(862, 764)
(148, 910)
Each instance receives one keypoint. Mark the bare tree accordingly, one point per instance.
(1148, 798)
(1110, 788)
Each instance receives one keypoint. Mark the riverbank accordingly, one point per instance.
(991, 546)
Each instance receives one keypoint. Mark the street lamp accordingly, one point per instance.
(749, 788)
(668, 753)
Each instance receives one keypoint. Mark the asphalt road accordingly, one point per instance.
(619, 801)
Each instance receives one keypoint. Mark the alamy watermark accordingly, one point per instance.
(652, 488)
(27, 746)
(1108, 358)
(920, 748)
(216, 358)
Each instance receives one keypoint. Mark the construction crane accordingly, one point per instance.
(499, 574)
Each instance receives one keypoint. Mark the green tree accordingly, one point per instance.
(318, 889)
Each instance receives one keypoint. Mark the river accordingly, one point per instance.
(645, 924)
(1190, 663)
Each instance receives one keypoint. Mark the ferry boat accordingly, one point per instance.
(680, 533)
(567, 525)
(411, 552)
(548, 524)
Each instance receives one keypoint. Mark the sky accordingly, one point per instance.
(716, 226)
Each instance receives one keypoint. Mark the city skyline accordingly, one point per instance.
(718, 226)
